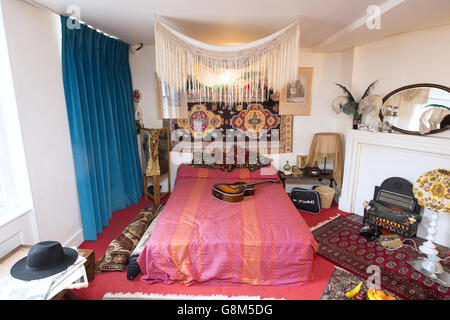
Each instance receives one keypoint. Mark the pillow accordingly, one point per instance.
(187, 171)
(133, 267)
(209, 160)
(116, 256)
(265, 172)
(252, 160)
(242, 158)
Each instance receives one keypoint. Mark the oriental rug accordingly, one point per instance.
(340, 243)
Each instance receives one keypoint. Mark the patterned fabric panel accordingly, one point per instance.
(119, 250)
(221, 121)
(140, 246)
(241, 158)
(133, 268)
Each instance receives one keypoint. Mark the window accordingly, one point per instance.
(15, 193)
(8, 198)
(2, 192)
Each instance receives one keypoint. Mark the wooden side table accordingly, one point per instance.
(21, 251)
(90, 262)
(300, 178)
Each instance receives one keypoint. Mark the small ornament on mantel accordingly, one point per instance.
(365, 112)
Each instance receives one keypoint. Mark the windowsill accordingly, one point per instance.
(13, 214)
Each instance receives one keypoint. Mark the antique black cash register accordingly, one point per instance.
(393, 208)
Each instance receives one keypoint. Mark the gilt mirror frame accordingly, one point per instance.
(413, 86)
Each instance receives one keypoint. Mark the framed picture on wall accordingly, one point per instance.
(296, 98)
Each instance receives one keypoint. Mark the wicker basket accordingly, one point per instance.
(326, 196)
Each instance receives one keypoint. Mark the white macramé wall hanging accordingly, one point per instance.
(226, 73)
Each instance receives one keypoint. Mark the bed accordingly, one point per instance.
(262, 240)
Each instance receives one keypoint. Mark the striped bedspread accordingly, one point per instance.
(262, 240)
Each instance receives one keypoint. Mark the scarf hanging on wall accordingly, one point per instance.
(153, 161)
(228, 74)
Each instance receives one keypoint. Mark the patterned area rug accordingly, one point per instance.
(339, 242)
(342, 281)
(157, 296)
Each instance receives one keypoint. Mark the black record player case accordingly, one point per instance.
(394, 208)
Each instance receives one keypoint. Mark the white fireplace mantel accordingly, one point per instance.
(372, 157)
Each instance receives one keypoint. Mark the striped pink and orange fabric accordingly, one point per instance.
(262, 240)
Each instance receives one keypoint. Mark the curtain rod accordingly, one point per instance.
(41, 6)
(44, 7)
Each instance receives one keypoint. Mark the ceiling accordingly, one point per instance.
(326, 25)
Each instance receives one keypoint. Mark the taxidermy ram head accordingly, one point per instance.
(349, 105)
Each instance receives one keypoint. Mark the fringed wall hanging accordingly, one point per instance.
(226, 73)
(229, 90)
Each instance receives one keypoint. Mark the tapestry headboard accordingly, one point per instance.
(252, 122)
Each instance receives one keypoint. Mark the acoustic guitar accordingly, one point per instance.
(236, 192)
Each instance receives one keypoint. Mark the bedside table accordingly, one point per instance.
(299, 179)
(90, 262)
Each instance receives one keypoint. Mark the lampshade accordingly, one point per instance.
(327, 145)
(432, 190)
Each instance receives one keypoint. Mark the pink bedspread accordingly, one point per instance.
(262, 240)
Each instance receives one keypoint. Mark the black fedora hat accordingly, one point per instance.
(44, 259)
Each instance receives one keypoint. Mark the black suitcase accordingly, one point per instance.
(306, 200)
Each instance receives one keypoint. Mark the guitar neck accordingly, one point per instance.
(259, 182)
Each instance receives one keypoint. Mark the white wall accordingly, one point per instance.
(327, 71)
(345, 121)
(405, 59)
(410, 58)
(33, 37)
(143, 66)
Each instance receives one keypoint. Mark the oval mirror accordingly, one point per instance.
(418, 109)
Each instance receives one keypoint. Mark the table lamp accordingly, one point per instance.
(432, 191)
(327, 145)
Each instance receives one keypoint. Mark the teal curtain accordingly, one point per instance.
(100, 109)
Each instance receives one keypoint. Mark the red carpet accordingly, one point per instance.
(339, 241)
(116, 281)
